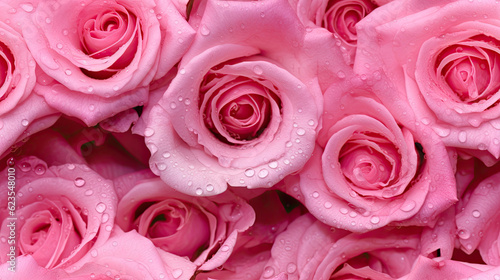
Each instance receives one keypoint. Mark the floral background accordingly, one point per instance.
(271, 139)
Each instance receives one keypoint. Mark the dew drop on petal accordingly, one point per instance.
(176, 273)
(67, 72)
(149, 132)
(166, 155)
(463, 234)
(224, 248)
(408, 206)
(263, 173)
(25, 122)
(301, 132)
(100, 207)
(268, 272)
(343, 211)
(375, 220)
(249, 172)
(315, 194)
(93, 253)
(476, 214)
(204, 30)
(27, 7)
(328, 205)
(79, 182)
(40, 169)
(273, 164)
(291, 268)
(210, 187)
(462, 136)
(199, 191)
(258, 70)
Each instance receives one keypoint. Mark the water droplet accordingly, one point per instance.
(166, 155)
(263, 173)
(224, 248)
(341, 74)
(310, 122)
(173, 105)
(462, 136)
(210, 187)
(71, 166)
(408, 206)
(90, 89)
(328, 205)
(343, 211)
(116, 88)
(273, 164)
(476, 214)
(176, 273)
(114, 243)
(100, 207)
(258, 70)
(443, 132)
(249, 172)
(268, 272)
(315, 194)
(161, 166)
(105, 218)
(463, 234)
(27, 7)
(25, 122)
(291, 268)
(25, 166)
(187, 101)
(425, 121)
(204, 30)
(40, 169)
(199, 191)
(375, 220)
(149, 132)
(301, 132)
(89, 192)
(93, 253)
(79, 182)
(67, 72)
(182, 71)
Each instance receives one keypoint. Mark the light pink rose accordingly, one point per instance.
(477, 216)
(62, 211)
(369, 170)
(442, 57)
(309, 249)
(21, 112)
(243, 109)
(130, 256)
(201, 229)
(104, 57)
(339, 17)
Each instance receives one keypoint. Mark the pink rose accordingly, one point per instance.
(21, 112)
(201, 229)
(130, 256)
(368, 170)
(442, 57)
(339, 17)
(309, 249)
(104, 57)
(239, 105)
(62, 211)
(477, 216)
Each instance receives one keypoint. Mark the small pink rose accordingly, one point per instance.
(62, 211)
(201, 229)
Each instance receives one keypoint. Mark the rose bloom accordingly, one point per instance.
(368, 170)
(203, 230)
(102, 55)
(238, 113)
(309, 249)
(443, 59)
(338, 17)
(62, 211)
(21, 112)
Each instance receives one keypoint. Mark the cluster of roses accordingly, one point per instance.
(273, 139)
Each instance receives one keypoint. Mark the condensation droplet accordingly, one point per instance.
(25, 122)
(27, 7)
(375, 220)
(408, 206)
(263, 173)
(176, 273)
(462, 136)
(301, 132)
(204, 30)
(268, 272)
(93, 253)
(149, 132)
(249, 172)
(40, 169)
(166, 155)
(328, 205)
(79, 182)
(210, 187)
(343, 211)
(258, 70)
(476, 214)
(89, 192)
(199, 191)
(100, 207)
(463, 234)
(291, 268)
(315, 194)
(67, 72)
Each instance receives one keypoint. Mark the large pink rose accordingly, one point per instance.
(443, 58)
(62, 211)
(21, 112)
(243, 109)
(369, 170)
(201, 229)
(309, 249)
(102, 55)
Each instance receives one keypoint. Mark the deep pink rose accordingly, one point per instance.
(443, 58)
(368, 170)
(243, 109)
(339, 17)
(102, 55)
(21, 112)
(62, 211)
(309, 249)
(201, 229)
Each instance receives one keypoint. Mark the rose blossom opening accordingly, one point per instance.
(106, 33)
